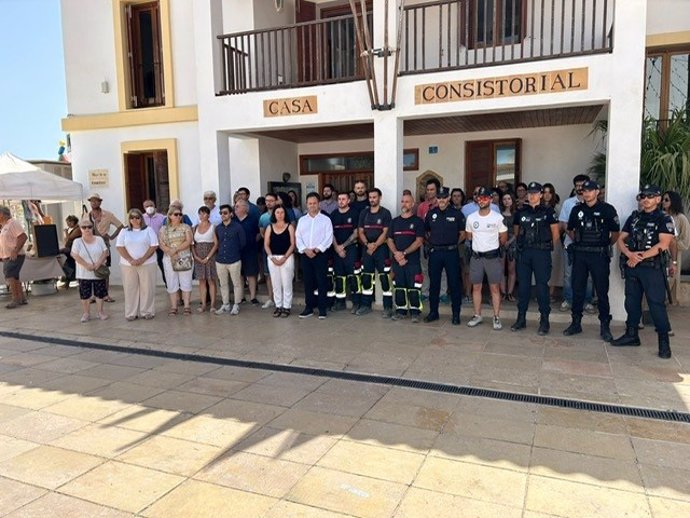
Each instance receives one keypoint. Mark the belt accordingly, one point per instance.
(441, 248)
(491, 254)
(595, 249)
(538, 246)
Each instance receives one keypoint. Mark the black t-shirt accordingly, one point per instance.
(358, 206)
(444, 226)
(535, 225)
(374, 223)
(592, 225)
(644, 229)
(404, 231)
(343, 224)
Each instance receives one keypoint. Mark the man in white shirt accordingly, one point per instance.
(210, 201)
(473, 206)
(314, 236)
(488, 234)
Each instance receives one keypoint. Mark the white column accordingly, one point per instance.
(388, 153)
(624, 126)
(245, 167)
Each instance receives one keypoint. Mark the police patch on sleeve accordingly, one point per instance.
(670, 227)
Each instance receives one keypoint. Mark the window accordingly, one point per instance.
(489, 161)
(667, 82)
(146, 177)
(496, 22)
(144, 53)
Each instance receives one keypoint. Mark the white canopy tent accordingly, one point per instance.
(20, 180)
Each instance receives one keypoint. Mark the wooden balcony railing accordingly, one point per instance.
(317, 52)
(453, 34)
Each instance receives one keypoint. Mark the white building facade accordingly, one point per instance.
(170, 98)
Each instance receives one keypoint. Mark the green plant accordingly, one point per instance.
(597, 167)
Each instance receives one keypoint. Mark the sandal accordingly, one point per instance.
(201, 309)
(285, 313)
(510, 297)
(109, 299)
(85, 318)
(277, 313)
(172, 312)
(102, 316)
(187, 311)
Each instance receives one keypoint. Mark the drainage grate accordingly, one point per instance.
(573, 404)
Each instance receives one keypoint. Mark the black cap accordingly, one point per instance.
(590, 185)
(483, 191)
(534, 187)
(650, 188)
(443, 192)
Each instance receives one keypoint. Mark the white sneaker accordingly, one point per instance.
(497, 324)
(235, 310)
(225, 308)
(268, 304)
(590, 309)
(565, 306)
(475, 321)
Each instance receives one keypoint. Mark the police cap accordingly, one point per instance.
(535, 187)
(590, 185)
(444, 192)
(652, 189)
(483, 191)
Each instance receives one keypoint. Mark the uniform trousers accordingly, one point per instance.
(596, 264)
(372, 264)
(405, 278)
(538, 262)
(345, 266)
(139, 285)
(649, 281)
(450, 261)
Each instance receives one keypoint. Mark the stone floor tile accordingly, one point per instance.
(568, 367)
(344, 405)
(503, 347)
(421, 502)
(477, 450)
(289, 379)
(498, 486)
(87, 408)
(27, 359)
(14, 495)
(667, 508)
(47, 466)
(222, 432)
(490, 428)
(572, 499)
(160, 379)
(229, 372)
(181, 401)
(42, 427)
(481, 381)
(409, 396)
(246, 411)
(356, 390)
(56, 505)
(287, 445)
(595, 443)
(409, 415)
(195, 499)
(125, 391)
(9, 412)
(139, 361)
(313, 423)
(390, 435)
(658, 430)
(11, 447)
(576, 467)
(213, 386)
(284, 509)
(499, 409)
(28, 377)
(145, 419)
(666, 482)
(101, 440)
(582, 419)
(34, 398)
(662, 453)
(76, 384)
(373, 461)
(347, 493)
(111, 372)
(122, 486)
(187, 367)
(171, 455)
(255, 473)
(271, 395)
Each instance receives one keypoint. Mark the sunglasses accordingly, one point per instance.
(209, 198)
(135, 217)
(86, 226)
(177, 214)
(648, 196)
(225, 213)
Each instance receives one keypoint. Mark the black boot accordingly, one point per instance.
(575, 326)
(520, 323)
(605, 330)
(629, 338)
(544, 325)
(664, 346)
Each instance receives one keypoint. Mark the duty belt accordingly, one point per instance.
(441, 248)
(595, 249)
(491, 254)
(538, 246)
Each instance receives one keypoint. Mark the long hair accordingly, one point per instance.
(676, 202)
(513, 206)
(135, 212)
(554, 196)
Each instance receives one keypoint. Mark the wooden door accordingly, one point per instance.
(479, 164)
(344, 181)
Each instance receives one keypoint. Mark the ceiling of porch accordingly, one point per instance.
(452, 124)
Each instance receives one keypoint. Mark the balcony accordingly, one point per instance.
(436, 36)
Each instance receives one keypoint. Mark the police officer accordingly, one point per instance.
(593, 226)
(536, 228)
(445, 228)
(374, 223)
(646, 235)
(345, 252)
(405, 238)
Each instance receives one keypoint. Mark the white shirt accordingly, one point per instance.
(89, 252)
(137, 242)
(568, 206)
(485, 230)
(314, 232)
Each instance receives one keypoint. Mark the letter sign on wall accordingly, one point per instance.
(508, 86)
(290, 106)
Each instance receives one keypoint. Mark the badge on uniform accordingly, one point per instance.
(411, 226)
(434, 216)
(580, 214)
(349, 220)
(378, 221)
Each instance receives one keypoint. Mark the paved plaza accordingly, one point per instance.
(108, 433)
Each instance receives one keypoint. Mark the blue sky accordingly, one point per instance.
(32, 78)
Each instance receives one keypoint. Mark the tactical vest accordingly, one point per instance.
(535, 231)
(591, 231)
(644, 233)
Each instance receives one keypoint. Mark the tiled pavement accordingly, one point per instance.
(85, 432)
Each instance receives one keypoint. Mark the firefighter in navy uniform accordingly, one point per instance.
(445, 228)
(405, 238)
(536, 228)
(593, 226)
(374, 223)
(345, 253)
(646, 235)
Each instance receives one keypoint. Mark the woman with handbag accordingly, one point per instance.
(137, 245)
(175, 240)
(89, 253)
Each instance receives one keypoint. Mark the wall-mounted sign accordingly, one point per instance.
(291, 106)
(505, 86)
(98, 178)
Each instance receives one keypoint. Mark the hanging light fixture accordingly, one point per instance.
(279, 4)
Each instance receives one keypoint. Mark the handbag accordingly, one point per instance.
(103, 271)
(183, 261)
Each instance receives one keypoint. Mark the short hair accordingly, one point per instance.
(261, 200)
(242, 202)
(362, 182)
(224, 207)
(344, 194)
(271, 194)
(314, 195)
(148, 201)
(177, 203)
(520, 184)
(580, 178)
(5, 211)
(210, 194)
(244, 190)
(376, 190)
(435, 182)
(72, 218)
(135, 212)
(330, 186)
(204, 209)
(285, 199)
(407, 192)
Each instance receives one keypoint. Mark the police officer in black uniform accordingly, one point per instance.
(405, 238)
(445, 228)
(374, 223)
(646, 235)
(593, 226)
(345, 252)
(536, 228)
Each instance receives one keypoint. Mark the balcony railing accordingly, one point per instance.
(440, 35)
(453, 34)
(318, 52)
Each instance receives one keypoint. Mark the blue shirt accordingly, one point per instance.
(250, 224)
(564, 215)
(473, 207)
(231, 241)
(254, 210)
